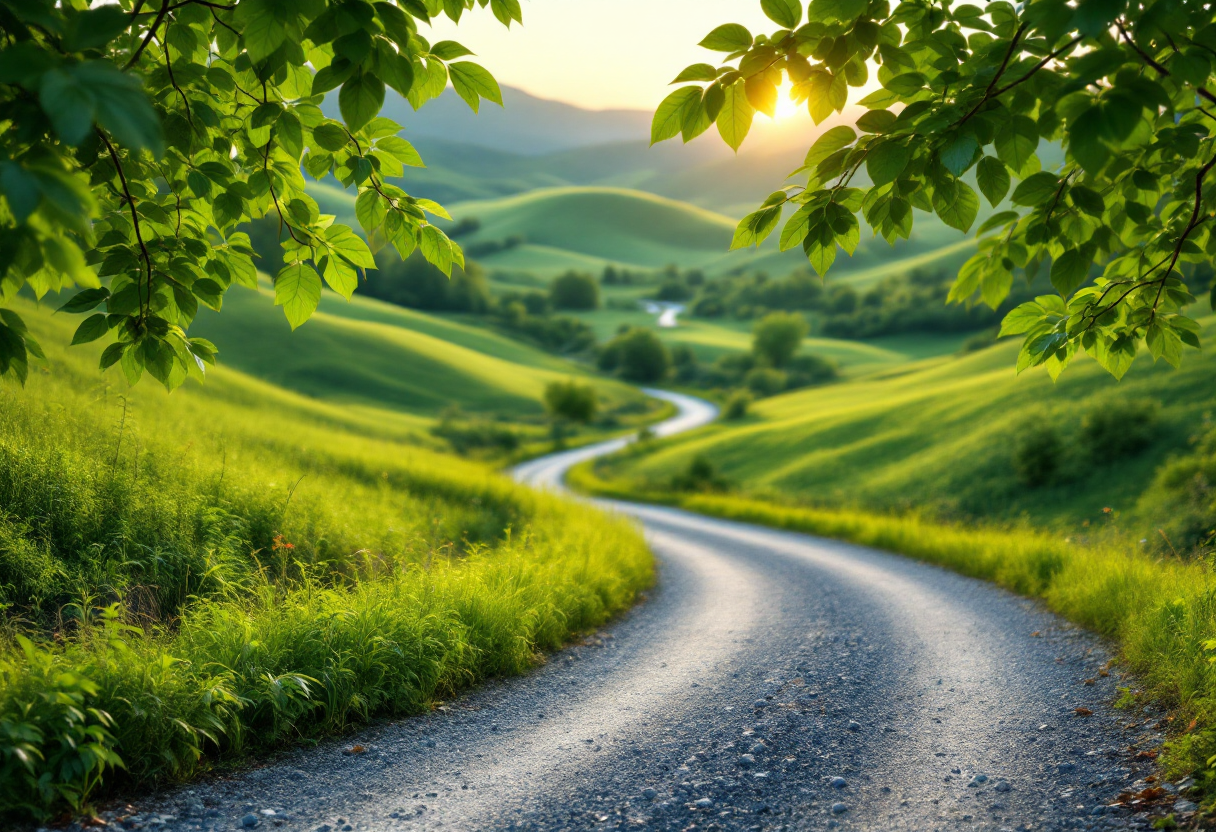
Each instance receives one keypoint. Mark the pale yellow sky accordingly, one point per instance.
(599, 54)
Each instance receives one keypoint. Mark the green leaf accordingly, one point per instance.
(669, 117)
(122, 107)
(827, 144)
(886, 161)
(1016, 142)
(262, 30)
(437, 249)
(1085, 141)
(340, 276)
(507, 11)
(90, 329)
(785, 13)
(1088, 201)
(831, 11)
(956, 205)
(730, 37)
(69, 104)
(820, 249)
(449, 50)
(958, 153)
(370, 209)
(696, 72)
(755, 227)
(875, 121)
(473, 82)
(995, 221)
(1036, 189)
(298, 290)
(735, 118)
(330, 135)
(1022, 319)
(360, 100)
(85, 300)
(350, 246)
(401, 150)
(1069, 271)
(993, 178)
(796, 228)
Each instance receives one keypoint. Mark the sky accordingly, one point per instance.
(599, 54)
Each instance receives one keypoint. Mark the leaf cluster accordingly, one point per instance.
(137, 137)
(967, 99)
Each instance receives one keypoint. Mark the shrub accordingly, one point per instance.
(1117, 429)
(765, 381)
(575, 291)
(701, 475)
(809, 370)
(778, 336)
(571, 400)
(1036, 455)
(737, 405)
(638, 355)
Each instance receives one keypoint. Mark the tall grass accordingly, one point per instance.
(1161, 611)
(202, 577)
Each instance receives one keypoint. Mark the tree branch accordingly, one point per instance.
(160, 16)
(122, 178)
(1161, 70)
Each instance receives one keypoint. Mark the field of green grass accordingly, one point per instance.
(367, 352)
(938, 434)
(201, 577)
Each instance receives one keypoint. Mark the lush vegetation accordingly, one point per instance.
(170, 602)
(1122, 89)
(139, 139)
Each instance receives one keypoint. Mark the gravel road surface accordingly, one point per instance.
(771, 681)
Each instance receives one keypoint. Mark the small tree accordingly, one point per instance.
(638, 355)
(778, 336)
(571, 401)
(575, 291)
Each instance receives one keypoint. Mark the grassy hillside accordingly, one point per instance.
(372, 353)
(213, 573)
(941, 435)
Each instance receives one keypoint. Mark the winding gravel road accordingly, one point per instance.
(772, 681)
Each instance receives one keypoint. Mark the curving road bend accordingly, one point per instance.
(772, 681)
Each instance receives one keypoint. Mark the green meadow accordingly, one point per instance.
(938, 434)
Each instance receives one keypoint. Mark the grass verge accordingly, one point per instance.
(1161, 612)
(199, 578)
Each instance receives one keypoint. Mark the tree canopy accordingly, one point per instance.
(967, 99)
(137, 137)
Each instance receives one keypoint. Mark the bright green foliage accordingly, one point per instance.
(295, 566)
(967, 97)
(571, 400)
(138, 136)
(778, 336)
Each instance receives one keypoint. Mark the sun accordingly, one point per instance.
(786, 106)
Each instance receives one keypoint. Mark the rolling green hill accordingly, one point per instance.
(939, 434)
(375, 354)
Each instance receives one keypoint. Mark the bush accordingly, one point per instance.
(1118, 429)
(778, 336)
(765, 381)
(571, 400)
(575, 291)
(700, 476)
(638, 355)
(809, 370)
(1036, 455)
(737, 405)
